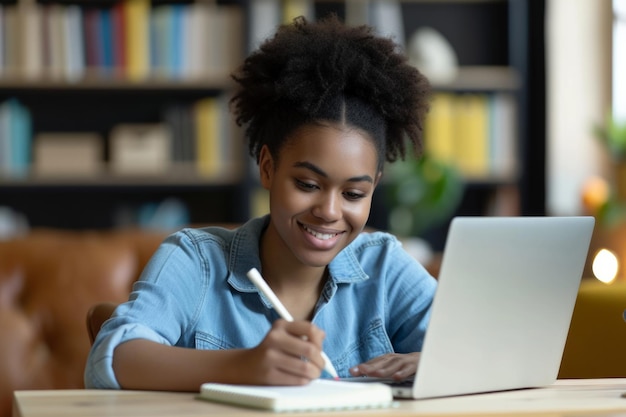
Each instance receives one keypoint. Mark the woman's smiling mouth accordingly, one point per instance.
(318, 235)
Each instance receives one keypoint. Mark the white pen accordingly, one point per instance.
(255, 276)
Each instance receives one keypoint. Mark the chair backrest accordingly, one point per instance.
(96, 316)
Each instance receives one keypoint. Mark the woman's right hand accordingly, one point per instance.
(290, 354)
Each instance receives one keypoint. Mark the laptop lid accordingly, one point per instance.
(502, 309)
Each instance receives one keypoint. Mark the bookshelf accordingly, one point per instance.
(99, 91)
(110, 97)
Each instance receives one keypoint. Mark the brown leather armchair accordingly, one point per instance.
(49, 279)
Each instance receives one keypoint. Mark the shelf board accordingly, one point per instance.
(491, 180)
(119, 180)
(220, 82)
(483, 78)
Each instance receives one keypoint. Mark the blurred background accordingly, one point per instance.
(113, 114)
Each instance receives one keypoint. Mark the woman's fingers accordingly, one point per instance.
(290, 354)
(392, 365)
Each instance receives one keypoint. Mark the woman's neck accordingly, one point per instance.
(298, 286)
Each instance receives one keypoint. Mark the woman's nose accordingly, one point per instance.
(328, 207)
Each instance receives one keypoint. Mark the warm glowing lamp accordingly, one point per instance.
(605, 266)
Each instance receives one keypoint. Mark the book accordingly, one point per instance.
(137, 16)
(208, 144)
(106, 39)
(118, 33)
(140, 148)
(20, 137)
(31, 38)
(68, 154)
(201, 41)
(503, 134)
(228, 53)
(74, 42)
(265, 17)
(439, 129)
(15, 138)
(472, 135)
(319, 395)
(91, 40)
(11, 46)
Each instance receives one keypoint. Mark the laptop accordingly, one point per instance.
(503, 305)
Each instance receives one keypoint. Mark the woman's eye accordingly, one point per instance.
(350, 195)
(305, 185)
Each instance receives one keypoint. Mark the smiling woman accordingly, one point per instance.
(324, 107)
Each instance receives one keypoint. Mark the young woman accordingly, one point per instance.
(324, 106)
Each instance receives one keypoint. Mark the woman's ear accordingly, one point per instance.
(266, 167)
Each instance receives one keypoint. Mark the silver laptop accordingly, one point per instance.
(502, 309)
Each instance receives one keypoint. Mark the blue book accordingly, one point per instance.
(106, 38)
(177, 45)
(159, 39)
(21, 139)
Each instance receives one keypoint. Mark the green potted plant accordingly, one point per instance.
(613, 134)
(422, 193)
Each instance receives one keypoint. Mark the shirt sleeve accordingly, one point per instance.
(163, 306)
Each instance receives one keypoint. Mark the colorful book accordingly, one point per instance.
(160, 42)
(439, 132)
(472, 135)
(265, 16)
(228, 52)
(208, 129)
(20, 138)
(118, 26)
(74, 42)
(31, 38)
(201, 41)
(106, 39)
(91, 39)
(137, 16)
(503, 134)
(68, 154)
(176, 58)
(140, 148)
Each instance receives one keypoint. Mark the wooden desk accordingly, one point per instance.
(593, 397)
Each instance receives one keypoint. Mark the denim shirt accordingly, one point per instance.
(194, 293)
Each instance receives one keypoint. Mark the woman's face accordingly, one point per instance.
(321, 190)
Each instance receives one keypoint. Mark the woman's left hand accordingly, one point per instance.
(397, 366)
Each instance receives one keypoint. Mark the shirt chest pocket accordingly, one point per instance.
(206, 341)
(371, 343)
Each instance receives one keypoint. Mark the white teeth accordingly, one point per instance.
(321, 236)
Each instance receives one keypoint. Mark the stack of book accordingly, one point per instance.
(474, 132)
(130, 39)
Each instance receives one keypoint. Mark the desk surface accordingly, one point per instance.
(597, 397)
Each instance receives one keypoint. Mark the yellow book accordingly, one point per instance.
(439, 128)
(137, 18)
(472, 135)
(208, 141)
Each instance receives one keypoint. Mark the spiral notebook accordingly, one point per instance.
(319, 395)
